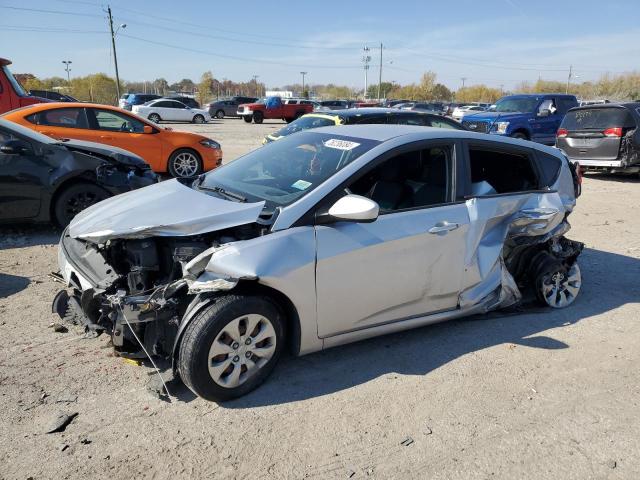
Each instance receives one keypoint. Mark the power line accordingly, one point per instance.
(58, 12)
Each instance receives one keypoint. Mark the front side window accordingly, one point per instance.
(495, 172)
(415, 179)
(60, 117)
(117, 122)
(284, 171)
(441, 123)
(516, 104)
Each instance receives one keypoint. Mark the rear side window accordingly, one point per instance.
(60, 117)
(498, 171)
(548, 168)
(597, 119)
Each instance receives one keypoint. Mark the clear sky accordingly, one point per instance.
(496, 42)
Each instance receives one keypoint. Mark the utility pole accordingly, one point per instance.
(464, 79)
(67, 68)
(569, 78)
(303, 74)
(255, 80)
(380, 76)
(366, 58)
(113, 45)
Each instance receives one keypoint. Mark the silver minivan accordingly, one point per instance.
(602, 137)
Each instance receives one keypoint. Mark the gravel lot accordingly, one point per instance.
(540, 395)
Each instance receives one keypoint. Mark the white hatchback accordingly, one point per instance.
(171, 111)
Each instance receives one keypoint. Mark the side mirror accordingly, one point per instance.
(544, 113)
(15, 147)
(352, 208)
(148, 129)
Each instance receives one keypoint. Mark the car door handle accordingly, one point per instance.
(443, 227)
(106, 137)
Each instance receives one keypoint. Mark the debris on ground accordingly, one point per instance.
(60, 421)
(428, 431)
(407, 441)
(58, 328)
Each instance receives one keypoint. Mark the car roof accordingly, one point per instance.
(629, 105)
(383, 133)
(365, 112)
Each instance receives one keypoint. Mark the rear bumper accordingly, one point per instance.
(612, 166)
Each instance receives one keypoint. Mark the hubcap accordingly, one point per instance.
(241, 349)
(185, 164)
(561, 289)
(199, 119)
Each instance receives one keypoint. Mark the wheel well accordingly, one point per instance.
(86, 178)
(195, 152)
(523, 131)
(292, 327)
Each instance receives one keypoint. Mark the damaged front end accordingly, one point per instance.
(136, 284)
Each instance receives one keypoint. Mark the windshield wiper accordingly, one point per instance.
(225, 193)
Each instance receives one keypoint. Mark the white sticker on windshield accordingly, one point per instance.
(301, 184)
(340, 144)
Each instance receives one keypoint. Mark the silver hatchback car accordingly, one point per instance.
(325, 237)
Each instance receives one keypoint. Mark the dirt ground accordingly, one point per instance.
(542, 395)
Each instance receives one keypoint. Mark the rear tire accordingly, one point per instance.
(247, 118)
(155, 118)
(75, 198)
(231, 346)
(198, 119)
(220, 114)
(184, 163)
(258, 117)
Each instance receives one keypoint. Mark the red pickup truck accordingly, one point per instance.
(271, 108)
(12, 95)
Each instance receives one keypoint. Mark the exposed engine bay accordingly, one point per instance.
(147, 283)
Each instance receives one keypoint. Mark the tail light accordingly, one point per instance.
(613, 132)
(579, 173)
(562, 132)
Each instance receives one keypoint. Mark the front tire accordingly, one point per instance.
(231, 346)
(72, 200)
(258, 117)
(198, 119)
(520, 136)
(155, 118)
(247, 118)
(184, 163)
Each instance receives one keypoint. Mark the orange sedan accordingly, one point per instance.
(182, 154)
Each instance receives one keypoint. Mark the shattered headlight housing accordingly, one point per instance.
(210, 143)
(501, 127)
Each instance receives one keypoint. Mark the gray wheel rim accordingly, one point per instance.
(154, 118)
(185, 164)
(561, 289)
(199, 119)
(220, 114)
(241, 349)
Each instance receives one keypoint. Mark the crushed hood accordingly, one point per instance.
(166, 209)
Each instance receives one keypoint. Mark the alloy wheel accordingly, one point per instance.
(185, 164)
(241, 349)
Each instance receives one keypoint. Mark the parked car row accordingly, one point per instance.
(359, 116)
(129, 100)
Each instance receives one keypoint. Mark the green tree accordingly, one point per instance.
(205, 87)
(478, 93)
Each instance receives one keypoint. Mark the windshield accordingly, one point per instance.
(14, 83)
(284, 171)
(596, 119)
(516, 104)
(304, 123)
